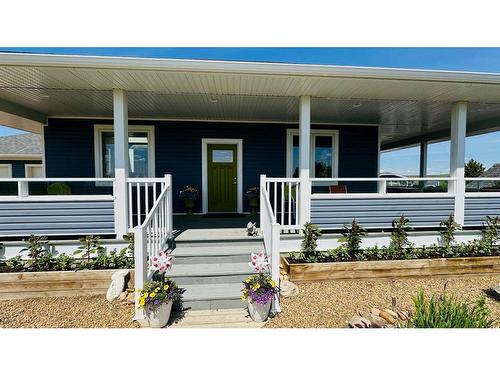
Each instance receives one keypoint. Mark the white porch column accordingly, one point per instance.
(120, 128)
(423, 159)
(457, 158)
(304, 164)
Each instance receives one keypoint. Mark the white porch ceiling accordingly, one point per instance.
(407, 103)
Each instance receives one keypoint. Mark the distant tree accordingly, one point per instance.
(474, 168)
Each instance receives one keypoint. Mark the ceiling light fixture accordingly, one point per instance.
(356, 105)
(213, 99)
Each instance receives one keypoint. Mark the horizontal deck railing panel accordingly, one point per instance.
(379, 212)
(56, 218)
(477, 208)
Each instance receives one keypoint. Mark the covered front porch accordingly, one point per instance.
(122, 138)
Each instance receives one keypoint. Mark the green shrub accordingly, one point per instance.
(448, 312)
(447, 228)
(58, 188)
(89, 246)
(351, 237)
(39, 256)
(15, 264)
(399, 235)
(64, 262)
(311, 235)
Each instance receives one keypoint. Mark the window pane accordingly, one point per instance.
(137, 150)
(138, 154)
(323, 151)
(108, 152)
(222, 156)
(295, 156)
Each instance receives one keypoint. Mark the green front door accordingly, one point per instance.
(222, 177)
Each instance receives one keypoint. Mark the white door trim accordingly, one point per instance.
(204, 170)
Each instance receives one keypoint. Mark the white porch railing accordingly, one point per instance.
(142, 195)
(271, 233)
(283, 196)
(151, 237)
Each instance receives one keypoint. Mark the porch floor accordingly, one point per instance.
(206, 228)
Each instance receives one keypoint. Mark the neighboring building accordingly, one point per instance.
(21, 156)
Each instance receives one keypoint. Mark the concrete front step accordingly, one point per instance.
(212, 296)
(227, 318)
(212, 272)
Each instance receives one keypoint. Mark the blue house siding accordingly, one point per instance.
(69, 150)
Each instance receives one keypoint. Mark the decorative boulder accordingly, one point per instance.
(288, 289)
(117, 285)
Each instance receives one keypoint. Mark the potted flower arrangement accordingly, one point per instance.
(259, 289)
(253, 199)
(189, 194)
(158, 295)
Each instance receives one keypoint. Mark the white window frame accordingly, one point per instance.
(27, 166)
(98, 157)
(334, 133)
(9, 168)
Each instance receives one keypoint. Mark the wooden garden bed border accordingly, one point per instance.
(391, 269)
(19, 285)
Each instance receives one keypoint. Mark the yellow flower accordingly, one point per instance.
(256, 286)
(157, 290)
(165, 287)
(243, 298)
(272, 283)
(153, 295)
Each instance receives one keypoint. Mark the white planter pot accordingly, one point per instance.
(160, 316)
(259, 313)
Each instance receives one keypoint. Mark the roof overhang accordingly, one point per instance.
(406, 103)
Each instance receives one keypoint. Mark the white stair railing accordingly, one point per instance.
(142, 195)
(271, 231)
(151, 237)
(283, 196)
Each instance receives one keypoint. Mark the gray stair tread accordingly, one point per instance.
(212, 291)
(190, 251)
(209, 269)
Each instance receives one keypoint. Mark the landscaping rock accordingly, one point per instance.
(375, 311)
(376, 321)
(403, 315)
(288, 289)
(387, 317)
(366, 322)
(122, 296)
(117, 285)
(496, 289)
(356, 322)
(391, 313)
(130, 297)
(120, 274)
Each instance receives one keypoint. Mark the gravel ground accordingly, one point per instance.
(326, 304)
(66, 312)
(330, 304)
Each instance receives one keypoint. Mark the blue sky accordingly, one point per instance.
(482, 148)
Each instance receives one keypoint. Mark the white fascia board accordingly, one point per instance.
(240, 67)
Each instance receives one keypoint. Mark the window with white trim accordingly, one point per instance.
(323, 153)
(140, 151)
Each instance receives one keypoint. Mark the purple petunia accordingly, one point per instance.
(261, 298)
